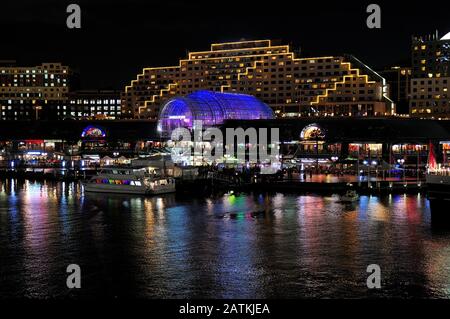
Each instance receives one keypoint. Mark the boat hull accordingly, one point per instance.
(162, 190)
(116, 189)
(139, 190)
(129, 181)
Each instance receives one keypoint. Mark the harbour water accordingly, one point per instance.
(225, 246)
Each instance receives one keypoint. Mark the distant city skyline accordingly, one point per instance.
(118, 39)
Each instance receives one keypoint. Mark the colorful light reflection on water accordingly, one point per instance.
(235, 245)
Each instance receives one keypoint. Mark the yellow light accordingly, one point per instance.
(218, 48)
(241, 42)
(348, 76)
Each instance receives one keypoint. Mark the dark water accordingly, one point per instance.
(172, 247)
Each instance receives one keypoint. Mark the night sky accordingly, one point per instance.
(119, 38)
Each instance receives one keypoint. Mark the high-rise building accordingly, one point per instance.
(431, 56)
(92, 104)
(430, 97)
(33, 92)
(325, 86)
(430, 83)
(399, 81)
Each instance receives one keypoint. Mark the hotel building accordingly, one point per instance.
(292, 86)
(32, 92)
(430, 82)
(92, 104)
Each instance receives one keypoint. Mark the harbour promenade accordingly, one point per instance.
(212, 180)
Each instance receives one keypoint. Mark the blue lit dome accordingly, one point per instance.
(212, 108)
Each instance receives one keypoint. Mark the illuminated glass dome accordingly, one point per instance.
(211, 108)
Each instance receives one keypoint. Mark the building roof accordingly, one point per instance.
(212, 108)
(376, 130)
(446, 37)
(71, 130)
(364, 130)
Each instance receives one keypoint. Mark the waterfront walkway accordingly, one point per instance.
(332, 178)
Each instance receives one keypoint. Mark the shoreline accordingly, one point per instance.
(205, 186)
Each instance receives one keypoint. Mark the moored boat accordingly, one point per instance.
(141, 181)
(349, 197)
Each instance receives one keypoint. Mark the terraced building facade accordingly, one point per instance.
(292, 86)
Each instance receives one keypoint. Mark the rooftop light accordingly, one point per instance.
(446, 37)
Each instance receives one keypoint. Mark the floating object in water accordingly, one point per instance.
(257, 213)
(350, 197)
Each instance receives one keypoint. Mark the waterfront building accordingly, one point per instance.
(211, 108)
(430, 97)
(292, 86)
(92, 104)
(395, 142)
(399, 80)
(378, 143)
(35, 92)
(52, 142)
(430, 81)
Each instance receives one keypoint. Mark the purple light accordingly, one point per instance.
(212, 108)
(93, 132)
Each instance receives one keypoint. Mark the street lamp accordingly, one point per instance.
(37, 108)
(317, 135)
(366, 163)
(402, 162)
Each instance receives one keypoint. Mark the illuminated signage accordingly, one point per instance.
(93, 132)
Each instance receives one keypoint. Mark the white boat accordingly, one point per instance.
(130, 181)
(350, 196)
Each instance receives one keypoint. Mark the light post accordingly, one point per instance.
(402, 162)
(365, 162)
(317, 135)
(375, 164)
(334, 159)
(418, 150)
(357, 166)
(37, 108)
